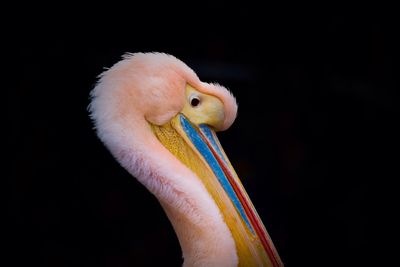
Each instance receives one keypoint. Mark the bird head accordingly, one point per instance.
(148, 99)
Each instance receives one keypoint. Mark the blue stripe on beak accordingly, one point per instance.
(205, 151)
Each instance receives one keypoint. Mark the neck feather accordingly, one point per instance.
(203, 235)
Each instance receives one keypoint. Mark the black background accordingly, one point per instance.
(315, 141)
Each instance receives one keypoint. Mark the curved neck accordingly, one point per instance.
(203, 235)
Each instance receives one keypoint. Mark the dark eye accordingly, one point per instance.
(195, 101)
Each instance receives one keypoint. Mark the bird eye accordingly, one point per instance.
(194, 101)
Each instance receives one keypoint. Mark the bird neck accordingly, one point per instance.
(203, 235)
(206, 243)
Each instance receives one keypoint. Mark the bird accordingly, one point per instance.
(159, 121)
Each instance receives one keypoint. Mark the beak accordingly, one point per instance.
(224, 186)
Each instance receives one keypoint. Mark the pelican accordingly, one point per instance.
(159, 121)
